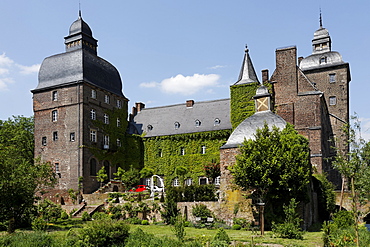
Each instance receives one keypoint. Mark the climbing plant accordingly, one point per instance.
(163, 153)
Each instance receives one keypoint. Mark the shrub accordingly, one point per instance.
(85, 216)
(105, 232)
(134, 221)
(221, 235)
(201, 210)
(100, 216)
(179, 228)
(48, 210)
(145, 222)
(291, 226)
(236, 227)
(33, 239)
(242, 222)
(64, 215)
(39, 224)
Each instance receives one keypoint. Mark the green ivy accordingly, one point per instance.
(163, 153)
(242, 103)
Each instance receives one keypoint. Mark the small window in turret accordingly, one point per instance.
(323, 60)
(331, 78)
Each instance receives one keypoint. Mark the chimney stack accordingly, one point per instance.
(265, 75)
(139, 106)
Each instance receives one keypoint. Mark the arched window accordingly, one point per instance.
(93, 167)
(177, 125)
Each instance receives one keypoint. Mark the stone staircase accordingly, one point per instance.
(89, 209)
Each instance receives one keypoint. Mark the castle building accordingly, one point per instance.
(81, 114)
(76, 90)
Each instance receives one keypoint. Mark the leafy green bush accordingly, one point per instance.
(39, 224)
(85, 216)
(100, 216)
(145, 222)
(133, 220)
(33, 239)
(242, 222)
(291, 226)
(48, 210)
(221, 235)
(179, 228)
(64, 215)
(201, 210)
(236, 227)
(106, 232)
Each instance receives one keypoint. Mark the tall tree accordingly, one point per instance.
(354, 165)
(275, 167)
(20, 176)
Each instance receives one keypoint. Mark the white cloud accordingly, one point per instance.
(149, 84)
(188, 85)
(3, 71)
(4, 83)
(26, 70)
(5, 61)
(217, 67)
(365, 128)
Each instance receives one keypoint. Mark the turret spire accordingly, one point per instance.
(320, 19)
(79, 10)
(247, 72)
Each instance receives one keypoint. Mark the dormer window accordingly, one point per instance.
(150, 127)
(197, 123)
(177, 125)
(217, 122)
(323, 60)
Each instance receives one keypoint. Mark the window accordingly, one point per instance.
(54, 95)
(106, 99)
(57, 168)
(331, 78)
(203, 180)
(182, 151)
(203, 150)
(54, 115)
(150, 127)
(176, 182)
(72, 136)
(106, 142)
(106, 118)
(119, 143)
(55, 135)
(188, 181)
(93, 93)
(147, 181)
(119, 104)
(160, 154)
(218, 180)
(118, 122)
(43, 141)
(197, 123)
(93, 135)
(332, 100)
(93, 167)
(177, 125)
(93, 114)
(217, 122)
(323, 60)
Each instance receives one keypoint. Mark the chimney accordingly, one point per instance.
(134, 111)
(299, 60)
(139, 106)
(265, 75)
(189, 103)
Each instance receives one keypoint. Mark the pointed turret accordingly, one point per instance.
(247, 72)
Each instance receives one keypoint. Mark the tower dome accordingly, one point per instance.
(80, 26)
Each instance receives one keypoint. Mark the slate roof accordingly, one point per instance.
(248, 127)
(163, 119)
(76, 66)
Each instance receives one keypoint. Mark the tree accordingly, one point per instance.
(212, 171)
(354, 165)
(21, 177)
(181, 172)
(130, 178)
(102, 175)
(275, 167)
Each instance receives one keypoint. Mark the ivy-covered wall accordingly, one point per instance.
(242, 103)
(163, 153)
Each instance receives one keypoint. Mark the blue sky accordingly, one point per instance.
(169, 51)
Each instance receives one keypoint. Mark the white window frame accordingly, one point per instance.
(92, 114)
(93, 135)
(55, 136)
(188, 181)
(217, 122)
(203, 149)
(93, 93)
(332, 78)
(199, 178)
(106, 142)
(177, 125)
(217, 180)
(182, 151)
(55, 96)
(118, 122)
(106, 118)
(176, 182)
(119, 104)
(197, 123)
(54, 115)
(332, 100)
(106, 99)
